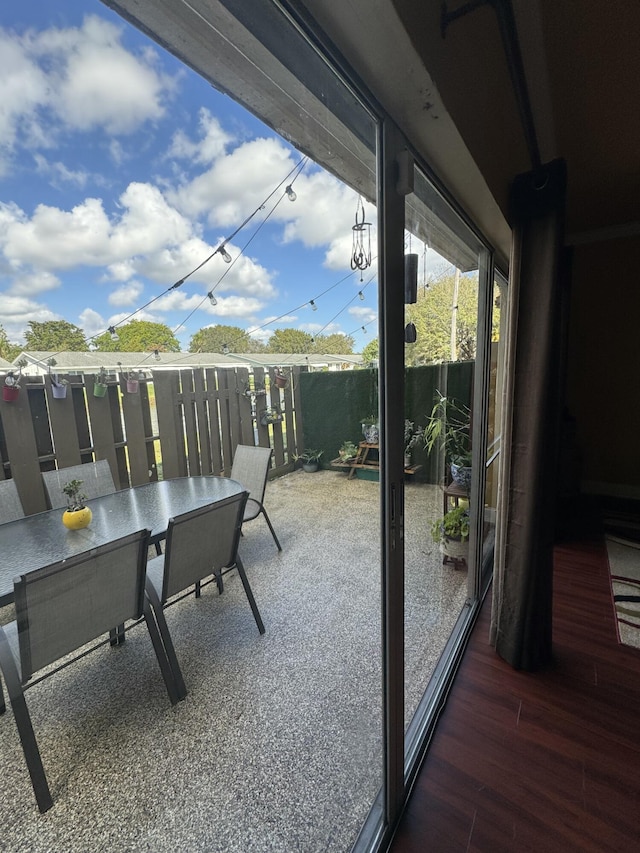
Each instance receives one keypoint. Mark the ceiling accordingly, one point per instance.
(451, 95)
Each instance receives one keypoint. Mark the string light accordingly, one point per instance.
(291, 193)
(226, 257)
(113, 333)
(364, 330)
(361, 295)
(314, 307)
(225, 349)
(212, 298)
(156, 354)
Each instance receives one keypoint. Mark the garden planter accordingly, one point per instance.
(132, 386)
(77, 519)
(10, 393)
(99, 389)
(59, 391)
(310, 467)
(271, 416)
(461, 476)
(281, 381)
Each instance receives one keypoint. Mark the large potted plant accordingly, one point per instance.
(451, 532)
(77, 515)
(310, 460)
(450, 424)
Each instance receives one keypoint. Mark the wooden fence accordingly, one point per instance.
(179, 423)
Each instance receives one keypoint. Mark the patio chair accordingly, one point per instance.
(96, 481)
(64, 606)
(10, 503)
(250, 468)
(199, 543)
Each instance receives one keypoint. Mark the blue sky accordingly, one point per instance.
(121, 171)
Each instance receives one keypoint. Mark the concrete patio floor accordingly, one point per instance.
(277, 746)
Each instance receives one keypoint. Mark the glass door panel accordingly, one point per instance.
(442, 281)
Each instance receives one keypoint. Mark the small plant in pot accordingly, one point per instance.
(451, 532)
(77, 515)
(310, 460)
(11, 387)
(450, 424)
(412, 437)
(58, 386)
(348, 450)
(100, 383)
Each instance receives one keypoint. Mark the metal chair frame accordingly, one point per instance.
(64, 606)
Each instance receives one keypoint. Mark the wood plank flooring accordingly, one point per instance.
(539, 762)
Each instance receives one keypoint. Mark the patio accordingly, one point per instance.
(277, 746)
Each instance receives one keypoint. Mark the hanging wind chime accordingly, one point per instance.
(361, 248)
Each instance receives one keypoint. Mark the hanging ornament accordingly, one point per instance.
(361, 249)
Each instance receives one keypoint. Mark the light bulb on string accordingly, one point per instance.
(364, 330)
(314, 307)
(225, 349)
(212, 298)
(291, 193)
(226, 257)
(113, 333)
(361, 296)
(156, 354)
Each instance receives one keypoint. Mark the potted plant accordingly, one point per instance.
(58, 386)
(132, 378)
(100, 383)
(77, 515)
(280, 379)
(271, 415)
(11, 387)
(412, 437)
(451, 532)
(348, 450)
(450, 423)
(370, 429)
(310, 460)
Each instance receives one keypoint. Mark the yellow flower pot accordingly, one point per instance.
(78, 519)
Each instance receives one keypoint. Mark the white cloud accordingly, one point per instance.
(92, 322)
(362, 314)
(17, 311)
(128, 294)
(59, 239)
(211, 144)
(79, 78)
(237, 183)
(59, 173)
(29, 284)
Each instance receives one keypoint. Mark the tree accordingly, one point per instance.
(139, 336)
(56, 336)
(371, 352)
(290, 340)
(215, 338)
(336, 344)
(432, 315)
(8, 350)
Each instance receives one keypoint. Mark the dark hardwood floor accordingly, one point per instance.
(539, 762)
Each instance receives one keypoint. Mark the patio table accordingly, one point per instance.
(39, 540)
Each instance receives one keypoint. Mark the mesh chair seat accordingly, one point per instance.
(10, 503)
(250, 468)
(96, 481)
(61, 608)
(199, 543)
